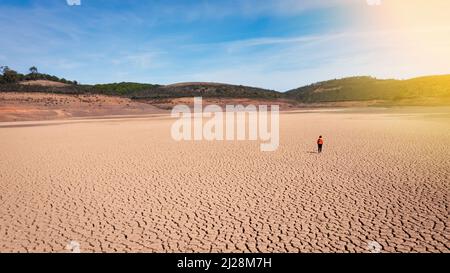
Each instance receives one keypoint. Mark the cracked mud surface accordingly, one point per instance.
(125, 186)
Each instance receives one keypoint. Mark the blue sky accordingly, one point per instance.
(273, 44)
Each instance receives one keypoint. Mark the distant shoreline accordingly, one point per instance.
(24, 107)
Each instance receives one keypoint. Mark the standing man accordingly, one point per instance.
(319, 144)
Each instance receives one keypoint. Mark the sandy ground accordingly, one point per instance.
(123, 185)
(15, 106)
(44, 83)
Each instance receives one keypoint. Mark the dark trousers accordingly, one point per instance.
(319, 148)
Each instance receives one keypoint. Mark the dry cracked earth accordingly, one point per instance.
(123, 185)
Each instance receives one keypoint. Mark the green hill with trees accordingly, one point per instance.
(368, 88)
(11, 81)
(9, 76)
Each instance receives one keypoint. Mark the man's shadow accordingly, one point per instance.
(311, 152)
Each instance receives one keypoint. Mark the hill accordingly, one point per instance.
(423, 89)
(145, 91)
(430, 90)
(216, 90)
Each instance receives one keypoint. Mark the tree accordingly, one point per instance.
(3, 69)
(10, 76)
(33, 70)
(34, 75)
